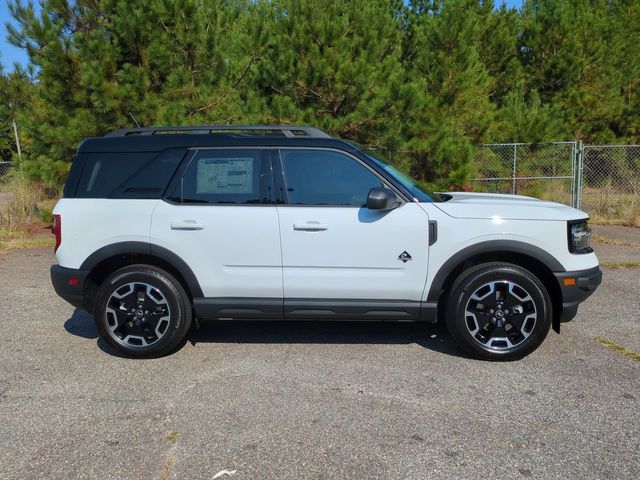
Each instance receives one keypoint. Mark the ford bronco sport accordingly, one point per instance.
(159, 227)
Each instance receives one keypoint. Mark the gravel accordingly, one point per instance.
(277, 400)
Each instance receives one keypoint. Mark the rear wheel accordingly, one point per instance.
(142, 312)
(498, 311)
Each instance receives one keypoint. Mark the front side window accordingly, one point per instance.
(226, 176)
(324, 177)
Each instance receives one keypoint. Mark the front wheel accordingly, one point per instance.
(498, 311)
(142, 312)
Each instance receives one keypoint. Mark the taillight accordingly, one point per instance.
(56, 229)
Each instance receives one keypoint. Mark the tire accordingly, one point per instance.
(498, 311)
(142, 312)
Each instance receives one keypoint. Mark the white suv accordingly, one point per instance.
(230, 223)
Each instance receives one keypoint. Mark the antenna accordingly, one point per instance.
(134, 119)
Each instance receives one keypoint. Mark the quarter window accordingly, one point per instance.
(323, 177)
(105, 172)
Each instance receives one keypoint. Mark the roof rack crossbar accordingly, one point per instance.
(286, 130)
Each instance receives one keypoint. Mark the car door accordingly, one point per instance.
(220, 218)
(340, 259)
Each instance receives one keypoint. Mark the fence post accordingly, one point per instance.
(574, 178)
(15, 131)
(515, 160)
(580, 168)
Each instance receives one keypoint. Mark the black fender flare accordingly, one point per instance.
(487, 247)
(127, 248)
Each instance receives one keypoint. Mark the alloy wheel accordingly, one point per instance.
(137, 314)
(500, 315)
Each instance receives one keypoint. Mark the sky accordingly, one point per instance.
(10, 54)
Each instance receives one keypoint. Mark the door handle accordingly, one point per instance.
(310, 226)
(186, 225)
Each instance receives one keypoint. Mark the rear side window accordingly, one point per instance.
(226, 177)
(324, 177)
(127, 175)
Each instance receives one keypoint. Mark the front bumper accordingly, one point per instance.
(576, 287)
(69, 283)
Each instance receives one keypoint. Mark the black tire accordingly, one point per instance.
(491, 319)
(142, 288)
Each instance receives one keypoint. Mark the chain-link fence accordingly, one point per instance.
(4, 169)
(542, 170)
(610, 183)
(603, 180)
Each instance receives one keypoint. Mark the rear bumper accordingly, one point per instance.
(69, 284)
(586, 282)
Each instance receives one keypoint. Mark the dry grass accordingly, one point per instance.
(16, 239)
(611, 241)
(23, 202)
(628, 220)
(622, 264)
(172, 436)
(21, 199)
(618, 348)
(607, 207)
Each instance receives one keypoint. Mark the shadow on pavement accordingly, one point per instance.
(81, 325)
(429, 336)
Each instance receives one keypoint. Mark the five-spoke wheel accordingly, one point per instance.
(142, 311)
(137, 314)
(498, 311)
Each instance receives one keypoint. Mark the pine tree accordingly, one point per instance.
(111, 63)
(423, 82)
(566, 49)
(335, 64)
(457, 112)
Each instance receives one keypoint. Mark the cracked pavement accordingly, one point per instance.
(277, 400)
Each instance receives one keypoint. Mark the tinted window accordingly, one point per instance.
(151, 180)
(321, 177)
(104, 172)
(234, 176)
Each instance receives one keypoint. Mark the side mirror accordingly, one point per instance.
(381, 199)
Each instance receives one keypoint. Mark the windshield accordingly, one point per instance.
(419, 193)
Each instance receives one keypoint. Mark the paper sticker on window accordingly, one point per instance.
(225, 175)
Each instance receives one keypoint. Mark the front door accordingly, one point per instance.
(340, 259)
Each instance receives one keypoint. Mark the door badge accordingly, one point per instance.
(404, 257)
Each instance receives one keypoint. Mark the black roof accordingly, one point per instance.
(155, 139)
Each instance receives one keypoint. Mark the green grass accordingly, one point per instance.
(621, 349)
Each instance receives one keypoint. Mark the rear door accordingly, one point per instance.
(340, 259)
(219, 216)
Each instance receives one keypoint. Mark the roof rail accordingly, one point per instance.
(286, 130)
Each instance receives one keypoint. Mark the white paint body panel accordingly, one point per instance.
(235, 254)
(89, 224)
(356, 257)
(456, 234)
(508, 207)
(254, 251)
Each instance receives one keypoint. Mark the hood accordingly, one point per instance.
(506, 207)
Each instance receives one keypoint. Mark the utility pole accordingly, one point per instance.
(15, 132)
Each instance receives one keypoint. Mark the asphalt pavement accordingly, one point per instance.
(276, 400)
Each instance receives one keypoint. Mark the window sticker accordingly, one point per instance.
(225, 175)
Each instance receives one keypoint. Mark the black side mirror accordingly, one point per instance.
(381, 199)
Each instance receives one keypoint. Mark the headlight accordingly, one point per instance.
(579, 237)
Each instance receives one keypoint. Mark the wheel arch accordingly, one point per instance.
(103, 262)
(537, 261)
